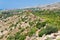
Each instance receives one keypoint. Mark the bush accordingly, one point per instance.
(22, 37)
(39, 25)
(43, 31)
(11, 38)
(31, 23)
(32, 31)
(22, 29)
(19, 36)
(11, 25)
(51, 29)
(43, 24)
(47, 30)
(23, 19)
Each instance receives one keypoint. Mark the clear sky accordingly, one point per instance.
(11, 4)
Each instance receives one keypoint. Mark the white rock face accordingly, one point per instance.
(53, 36)
(3, 33)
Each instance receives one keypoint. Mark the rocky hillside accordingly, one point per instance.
(30, 24)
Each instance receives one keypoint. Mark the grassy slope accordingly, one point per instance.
(51, 16)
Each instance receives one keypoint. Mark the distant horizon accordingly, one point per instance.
(18, 4)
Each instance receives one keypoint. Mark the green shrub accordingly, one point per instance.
(23, 19)
(11, 38)
(43, 31)
(43, 24)
(19, 36)
(11, 25)
(48, 30)
(51, 29)
(22, 29)
(32, 31)
(31, 23)
(39, 25)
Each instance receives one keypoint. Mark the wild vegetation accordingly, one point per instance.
(29, 22)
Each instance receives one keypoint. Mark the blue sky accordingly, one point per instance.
(11, 4)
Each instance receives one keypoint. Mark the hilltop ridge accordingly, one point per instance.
(31, 23)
